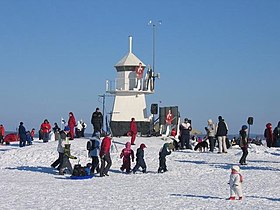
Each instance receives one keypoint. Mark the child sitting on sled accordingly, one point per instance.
(127, 154)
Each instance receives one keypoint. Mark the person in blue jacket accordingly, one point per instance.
(94, 152)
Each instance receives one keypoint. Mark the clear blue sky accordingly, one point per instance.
(215, 57)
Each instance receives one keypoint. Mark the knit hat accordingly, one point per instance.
(67, 128)
(97, 134)
(142, 146)
(236, 168)
(244, 127)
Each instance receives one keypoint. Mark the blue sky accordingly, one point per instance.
(215, 57)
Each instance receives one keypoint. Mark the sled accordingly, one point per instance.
(81, 177)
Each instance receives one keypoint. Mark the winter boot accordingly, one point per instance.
(231, 198)
(240, 198)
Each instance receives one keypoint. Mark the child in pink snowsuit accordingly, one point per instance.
(127, 154)
(235, 183)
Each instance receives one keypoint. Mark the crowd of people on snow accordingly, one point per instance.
(99, 148)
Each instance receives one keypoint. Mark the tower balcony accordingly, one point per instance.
(130, 85)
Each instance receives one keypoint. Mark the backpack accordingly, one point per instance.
(91, 145)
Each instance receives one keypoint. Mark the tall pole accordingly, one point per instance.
(103, 107)
(154, 25)
(154, 46)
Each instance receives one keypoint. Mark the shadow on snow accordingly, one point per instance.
(267, 198)
(228, 165)
(39, 169)
(198, 196)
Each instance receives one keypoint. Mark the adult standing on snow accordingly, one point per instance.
(243, 144)
(268, 135)
(222, 130)
(78, 129)
(276, 135)
(71, 124)
(62, 135)
(45, 129)
(84, 125)
(105, 156)
(97, 121)
(211, 133)
(94, 152)
(133, 130)
(168, 122)
(2, 134)
(139, 75)
(22, 135)
(185, 129)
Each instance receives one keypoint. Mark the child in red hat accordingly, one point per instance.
(140, 162)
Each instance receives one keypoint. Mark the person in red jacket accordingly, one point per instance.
(105, 156)
(2, 134)
(139, 70)
(45, 129)
(268, 135)
(127, 154)
(32, 134)
(71, 124)
(133, 130)
(168, 121)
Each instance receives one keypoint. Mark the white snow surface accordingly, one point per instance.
(194, 180)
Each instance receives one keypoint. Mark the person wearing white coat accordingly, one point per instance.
(235, 183)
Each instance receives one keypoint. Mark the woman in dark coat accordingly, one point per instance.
(22, 135)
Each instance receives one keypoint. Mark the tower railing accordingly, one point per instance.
(130, 84)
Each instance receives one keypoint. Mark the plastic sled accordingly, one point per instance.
(81, 177)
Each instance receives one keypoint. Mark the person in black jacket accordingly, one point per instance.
(140, 162)
(243, 144)
(185, 129)
(164, 151)
(97, 121)
(22, 135)
(222, 130)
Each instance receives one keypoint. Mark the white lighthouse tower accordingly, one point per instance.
(129, 88)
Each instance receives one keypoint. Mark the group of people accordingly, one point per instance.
(272, 136)
(25, 137)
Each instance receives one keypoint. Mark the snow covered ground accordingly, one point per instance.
(194, 181)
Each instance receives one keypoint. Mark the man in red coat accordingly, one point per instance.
(139, 75)
(133, 130)
(168, 122)
(2, 134)
(105, 156)
(45, 129)
(71, 124)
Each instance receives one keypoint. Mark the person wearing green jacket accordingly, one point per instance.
(66, 162)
